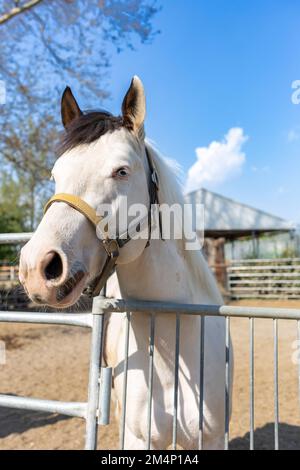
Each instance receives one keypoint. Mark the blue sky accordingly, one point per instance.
(216, 66)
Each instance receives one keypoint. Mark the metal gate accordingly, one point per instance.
(96, 410)
(89, 410)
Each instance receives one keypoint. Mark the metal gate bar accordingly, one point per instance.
(94, 376)
(77, 410)
(88, 410)
(227, 382)
(121, 305)
(298, 345)
(276, 404)
(251, 383)
(201, 382)
(176, 381)
(150, 378)
(72, 319)
(124, 397)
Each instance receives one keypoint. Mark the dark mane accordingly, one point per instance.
(87, 128)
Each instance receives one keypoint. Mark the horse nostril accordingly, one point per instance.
(54, 268)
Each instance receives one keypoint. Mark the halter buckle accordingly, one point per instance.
(111, 247)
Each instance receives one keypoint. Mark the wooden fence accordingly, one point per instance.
(264, 278)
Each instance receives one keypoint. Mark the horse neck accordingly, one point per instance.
(163, 273)
(165, 270)
(158, 274)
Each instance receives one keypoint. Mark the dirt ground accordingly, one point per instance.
(52, 362)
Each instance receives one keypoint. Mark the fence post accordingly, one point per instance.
(94, 375)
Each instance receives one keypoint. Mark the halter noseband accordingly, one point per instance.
(111, 246)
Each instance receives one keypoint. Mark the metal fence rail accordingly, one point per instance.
(96, 410)
(264, 278)
(14, 238)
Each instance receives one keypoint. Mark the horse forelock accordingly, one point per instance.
(88, 128)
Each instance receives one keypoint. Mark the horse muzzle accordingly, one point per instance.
(50, 282)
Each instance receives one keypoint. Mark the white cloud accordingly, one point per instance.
(218, 162)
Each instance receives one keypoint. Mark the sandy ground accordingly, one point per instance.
(52, 362)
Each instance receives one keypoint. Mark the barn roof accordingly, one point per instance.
(227, 218)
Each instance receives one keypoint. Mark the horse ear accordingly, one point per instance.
(69, 107)
(134, 107)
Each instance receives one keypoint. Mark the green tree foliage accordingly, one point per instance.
(29, 153)
(12, 212)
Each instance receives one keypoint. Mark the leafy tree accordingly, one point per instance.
(29, 153)
(12, 212)
(46, 44)
(66, 41)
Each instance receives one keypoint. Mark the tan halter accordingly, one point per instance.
(111, 246)
(77, 203)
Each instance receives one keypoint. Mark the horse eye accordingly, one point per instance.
(121, 172)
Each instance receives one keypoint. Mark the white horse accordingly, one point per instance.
(103, 158)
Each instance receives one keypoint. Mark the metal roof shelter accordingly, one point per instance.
(230, 219)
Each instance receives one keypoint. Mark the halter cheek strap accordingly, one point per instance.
(111, 246)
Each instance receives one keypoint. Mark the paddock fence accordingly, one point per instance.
(11, 297)
(8, 273)
(95, 411)
(277, 278)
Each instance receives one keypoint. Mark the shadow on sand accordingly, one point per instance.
(18, 421)
(289, 438)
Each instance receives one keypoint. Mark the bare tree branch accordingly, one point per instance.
(17, 10)
(57, 42)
